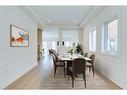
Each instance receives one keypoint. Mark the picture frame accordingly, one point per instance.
(18, 37)
(57, 43)
(63, 43)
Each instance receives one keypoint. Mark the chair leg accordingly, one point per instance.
(68, 77)
(84, 78)
(55, 71)
(89, 69)
(93, 70)
(72, 76)
(64, 72)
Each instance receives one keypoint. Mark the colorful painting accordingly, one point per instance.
(18, 37)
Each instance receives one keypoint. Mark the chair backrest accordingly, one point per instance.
(86, 54)
(79, 66)
(92, 57)
(49, 51)
(56, 55)
(54, 59)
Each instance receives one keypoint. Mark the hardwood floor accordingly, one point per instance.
(41, 77)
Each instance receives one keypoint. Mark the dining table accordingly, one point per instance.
(68, 59)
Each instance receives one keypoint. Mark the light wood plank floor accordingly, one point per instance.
(41, 77)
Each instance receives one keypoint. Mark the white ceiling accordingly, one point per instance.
(62, 15)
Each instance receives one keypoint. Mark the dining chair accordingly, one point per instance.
(49, 51)
(57, 64)
(78, 67)
(90, 64)
(86, 54)
(56, 55)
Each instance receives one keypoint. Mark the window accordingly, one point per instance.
(67, 43)
(70, 36)
(44, 45)
(51, 36)
(54, 45)
(92, 39)
(110, 38)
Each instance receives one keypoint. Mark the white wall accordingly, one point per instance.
(15, 61)
(113, 67)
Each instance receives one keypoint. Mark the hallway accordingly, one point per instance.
(41, 77)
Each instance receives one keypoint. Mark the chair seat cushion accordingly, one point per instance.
(88, 64)
(60, 64)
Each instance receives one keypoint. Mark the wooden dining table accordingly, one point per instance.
(68, 59)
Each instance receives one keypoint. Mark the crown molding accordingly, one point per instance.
(94, 11)
(91, 15)
(62, 27)
(30, 12)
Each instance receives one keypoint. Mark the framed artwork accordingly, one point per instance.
(18, 37)
(63, 43)
(57, 43)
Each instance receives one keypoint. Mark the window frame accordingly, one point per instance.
(90, 41)
(105, 37)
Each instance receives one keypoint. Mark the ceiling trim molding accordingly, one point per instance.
(94, 11)
(62, 27)
(30, 12)
(91, 15)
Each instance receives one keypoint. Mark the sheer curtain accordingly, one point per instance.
(50, 38)
(60, 39)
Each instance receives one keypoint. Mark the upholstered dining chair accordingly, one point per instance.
(90, 64)
(50, 51)
(57, 64)
(56, 55)
(78, 67)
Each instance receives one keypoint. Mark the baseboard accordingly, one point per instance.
(120, 83)
(20, 76)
